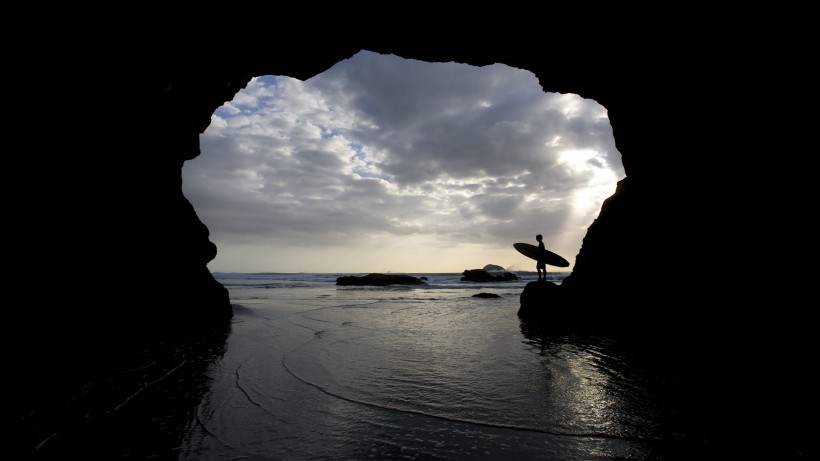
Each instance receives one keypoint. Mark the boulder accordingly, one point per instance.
(379, 280)
(480, 275)
(541, 300)
(494, 268)
(486, 295)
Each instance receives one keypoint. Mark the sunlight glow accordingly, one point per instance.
(601, 180)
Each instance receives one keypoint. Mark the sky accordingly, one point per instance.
(386, 164)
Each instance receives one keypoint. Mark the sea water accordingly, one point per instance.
(312, 370)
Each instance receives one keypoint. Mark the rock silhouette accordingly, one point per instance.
(379, 280)
(480, 275)
(542, 301)
(494, 268)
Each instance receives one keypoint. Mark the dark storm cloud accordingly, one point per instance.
(383, 145)
(463, 121)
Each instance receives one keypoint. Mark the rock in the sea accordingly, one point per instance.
(481, 275)
(494, 268)
(486, 295)
(541, 300)
(379, 280)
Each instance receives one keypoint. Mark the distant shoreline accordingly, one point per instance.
(371, 272)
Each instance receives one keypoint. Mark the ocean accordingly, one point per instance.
(311, 370)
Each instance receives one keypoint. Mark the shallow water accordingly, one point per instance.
(311, 370)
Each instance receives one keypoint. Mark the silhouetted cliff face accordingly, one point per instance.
(611, 246)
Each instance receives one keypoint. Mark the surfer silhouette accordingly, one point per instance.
(541, 263)
(541, 255)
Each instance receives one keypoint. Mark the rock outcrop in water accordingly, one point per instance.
(494, 268)
(481, 275)
(541, 300)
(379, 280)
(486, 295)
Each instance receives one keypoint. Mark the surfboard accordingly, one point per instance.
(532, 251)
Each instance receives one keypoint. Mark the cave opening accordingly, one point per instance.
(386, 164)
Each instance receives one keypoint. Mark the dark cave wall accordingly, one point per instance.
(114, 256)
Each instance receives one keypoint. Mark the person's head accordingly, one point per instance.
(539, 237)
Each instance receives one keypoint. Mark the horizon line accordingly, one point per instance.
(365, 272)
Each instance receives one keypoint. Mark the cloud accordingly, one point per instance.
(380, 146)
